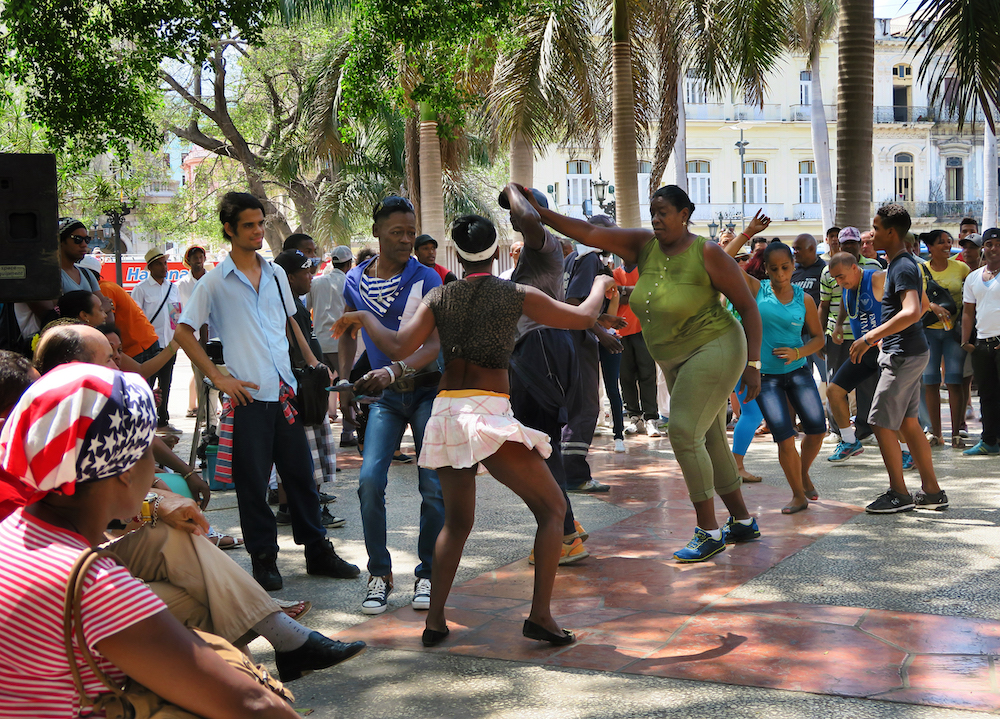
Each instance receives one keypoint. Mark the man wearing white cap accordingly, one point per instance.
(158, 299)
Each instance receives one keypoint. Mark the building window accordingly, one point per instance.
(904, 177)
(578, 177)
(645, 168)
(902, 71)
(954, 179)
(808, 183)
(695, 89)
(805, 87)
(699, 181)
(755, 181)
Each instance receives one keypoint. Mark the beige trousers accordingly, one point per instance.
(201, 586)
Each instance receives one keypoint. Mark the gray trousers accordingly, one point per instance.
(638, 378)
(584, 410)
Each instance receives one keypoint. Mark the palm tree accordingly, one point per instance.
(961, 64)
(623, 135)
(812, 22)
(545, 87)
(855, 112)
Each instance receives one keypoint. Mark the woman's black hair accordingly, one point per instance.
(473, 233)
(232, 204)
(776, 246)
(15, 378)
(107, 329)
(677, 198)
(73, 303)
(932, 237)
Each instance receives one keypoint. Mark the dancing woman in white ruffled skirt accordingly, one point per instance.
(472, 420)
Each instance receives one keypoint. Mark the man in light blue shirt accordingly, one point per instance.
(248, 301)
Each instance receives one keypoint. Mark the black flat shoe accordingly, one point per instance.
(318, 652)
(431, 638)
(539, 633)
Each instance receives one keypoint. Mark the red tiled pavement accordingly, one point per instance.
(635, 610)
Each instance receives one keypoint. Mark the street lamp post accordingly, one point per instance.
(600, 190)
(713, 227)
(743, 180)
(116, 216)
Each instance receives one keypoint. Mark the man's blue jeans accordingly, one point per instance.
(387, 419)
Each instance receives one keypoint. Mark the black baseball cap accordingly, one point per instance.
(423, 240)
(991, 234)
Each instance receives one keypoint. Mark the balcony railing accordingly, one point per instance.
(952, 210)
(754, 112)
(888, 114)
(803, 113)
(707, 111)
(734, 211)
(162, 188)
(951, 116)
(806, 211)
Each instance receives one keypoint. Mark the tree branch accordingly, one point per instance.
(195, 102)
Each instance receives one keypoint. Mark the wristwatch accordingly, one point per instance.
(755, 364)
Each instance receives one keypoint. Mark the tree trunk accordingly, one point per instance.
(411, 161)
(666, 136)
(855, 112)
(821, 146)
(522, 171)
(522, 161)
(431, 195)
(989, 177)
(623, 121)
(680, 144)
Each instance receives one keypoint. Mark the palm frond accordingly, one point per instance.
(810, 23)
(960, 42)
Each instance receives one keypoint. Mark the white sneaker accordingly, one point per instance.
(832, 438)
(870, 441)
(619, 446)
(651, 429)
(421, 594)
(635, 427)
(377, 599)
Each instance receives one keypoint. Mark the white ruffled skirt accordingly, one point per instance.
(467, 426)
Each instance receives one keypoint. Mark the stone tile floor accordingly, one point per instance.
(636, 611)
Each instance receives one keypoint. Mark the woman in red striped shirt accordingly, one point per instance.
(75, 454)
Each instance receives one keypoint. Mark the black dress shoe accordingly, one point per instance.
(322, 560)
(265, 571)
(318, 652)
(432, 637)
(539, 633)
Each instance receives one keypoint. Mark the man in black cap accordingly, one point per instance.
(425, 248)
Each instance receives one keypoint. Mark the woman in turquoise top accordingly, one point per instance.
(785, 377)
(700, 347)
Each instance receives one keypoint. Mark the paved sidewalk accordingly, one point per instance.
(829, 606)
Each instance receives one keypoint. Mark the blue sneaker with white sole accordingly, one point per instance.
(907, 461)
(981, 449)
(845, 451)
(701, 547)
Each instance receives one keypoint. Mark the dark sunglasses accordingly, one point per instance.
(80, 239)
(395, 203)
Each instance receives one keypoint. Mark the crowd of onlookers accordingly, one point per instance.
(857, 333)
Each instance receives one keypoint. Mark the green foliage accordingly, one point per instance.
(90, 66)
(438, 46)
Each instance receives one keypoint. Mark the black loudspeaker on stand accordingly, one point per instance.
(29, 216)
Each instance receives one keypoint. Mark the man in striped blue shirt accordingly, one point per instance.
(391, 286)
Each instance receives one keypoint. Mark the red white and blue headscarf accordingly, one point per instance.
(78, 423)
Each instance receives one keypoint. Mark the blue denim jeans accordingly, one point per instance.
(611, 363)
(942, 344)
(387, 419)
(799, 388)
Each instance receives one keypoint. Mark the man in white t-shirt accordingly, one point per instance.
(981, 309)
(194, 260)
(158, 299)
(326, 297)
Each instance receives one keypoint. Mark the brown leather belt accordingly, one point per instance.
(417, 381)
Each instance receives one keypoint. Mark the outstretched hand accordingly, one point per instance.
(349, 322)
(758, 224)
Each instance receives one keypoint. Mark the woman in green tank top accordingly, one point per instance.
(700, 347)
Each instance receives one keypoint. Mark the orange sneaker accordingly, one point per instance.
(571, 552)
